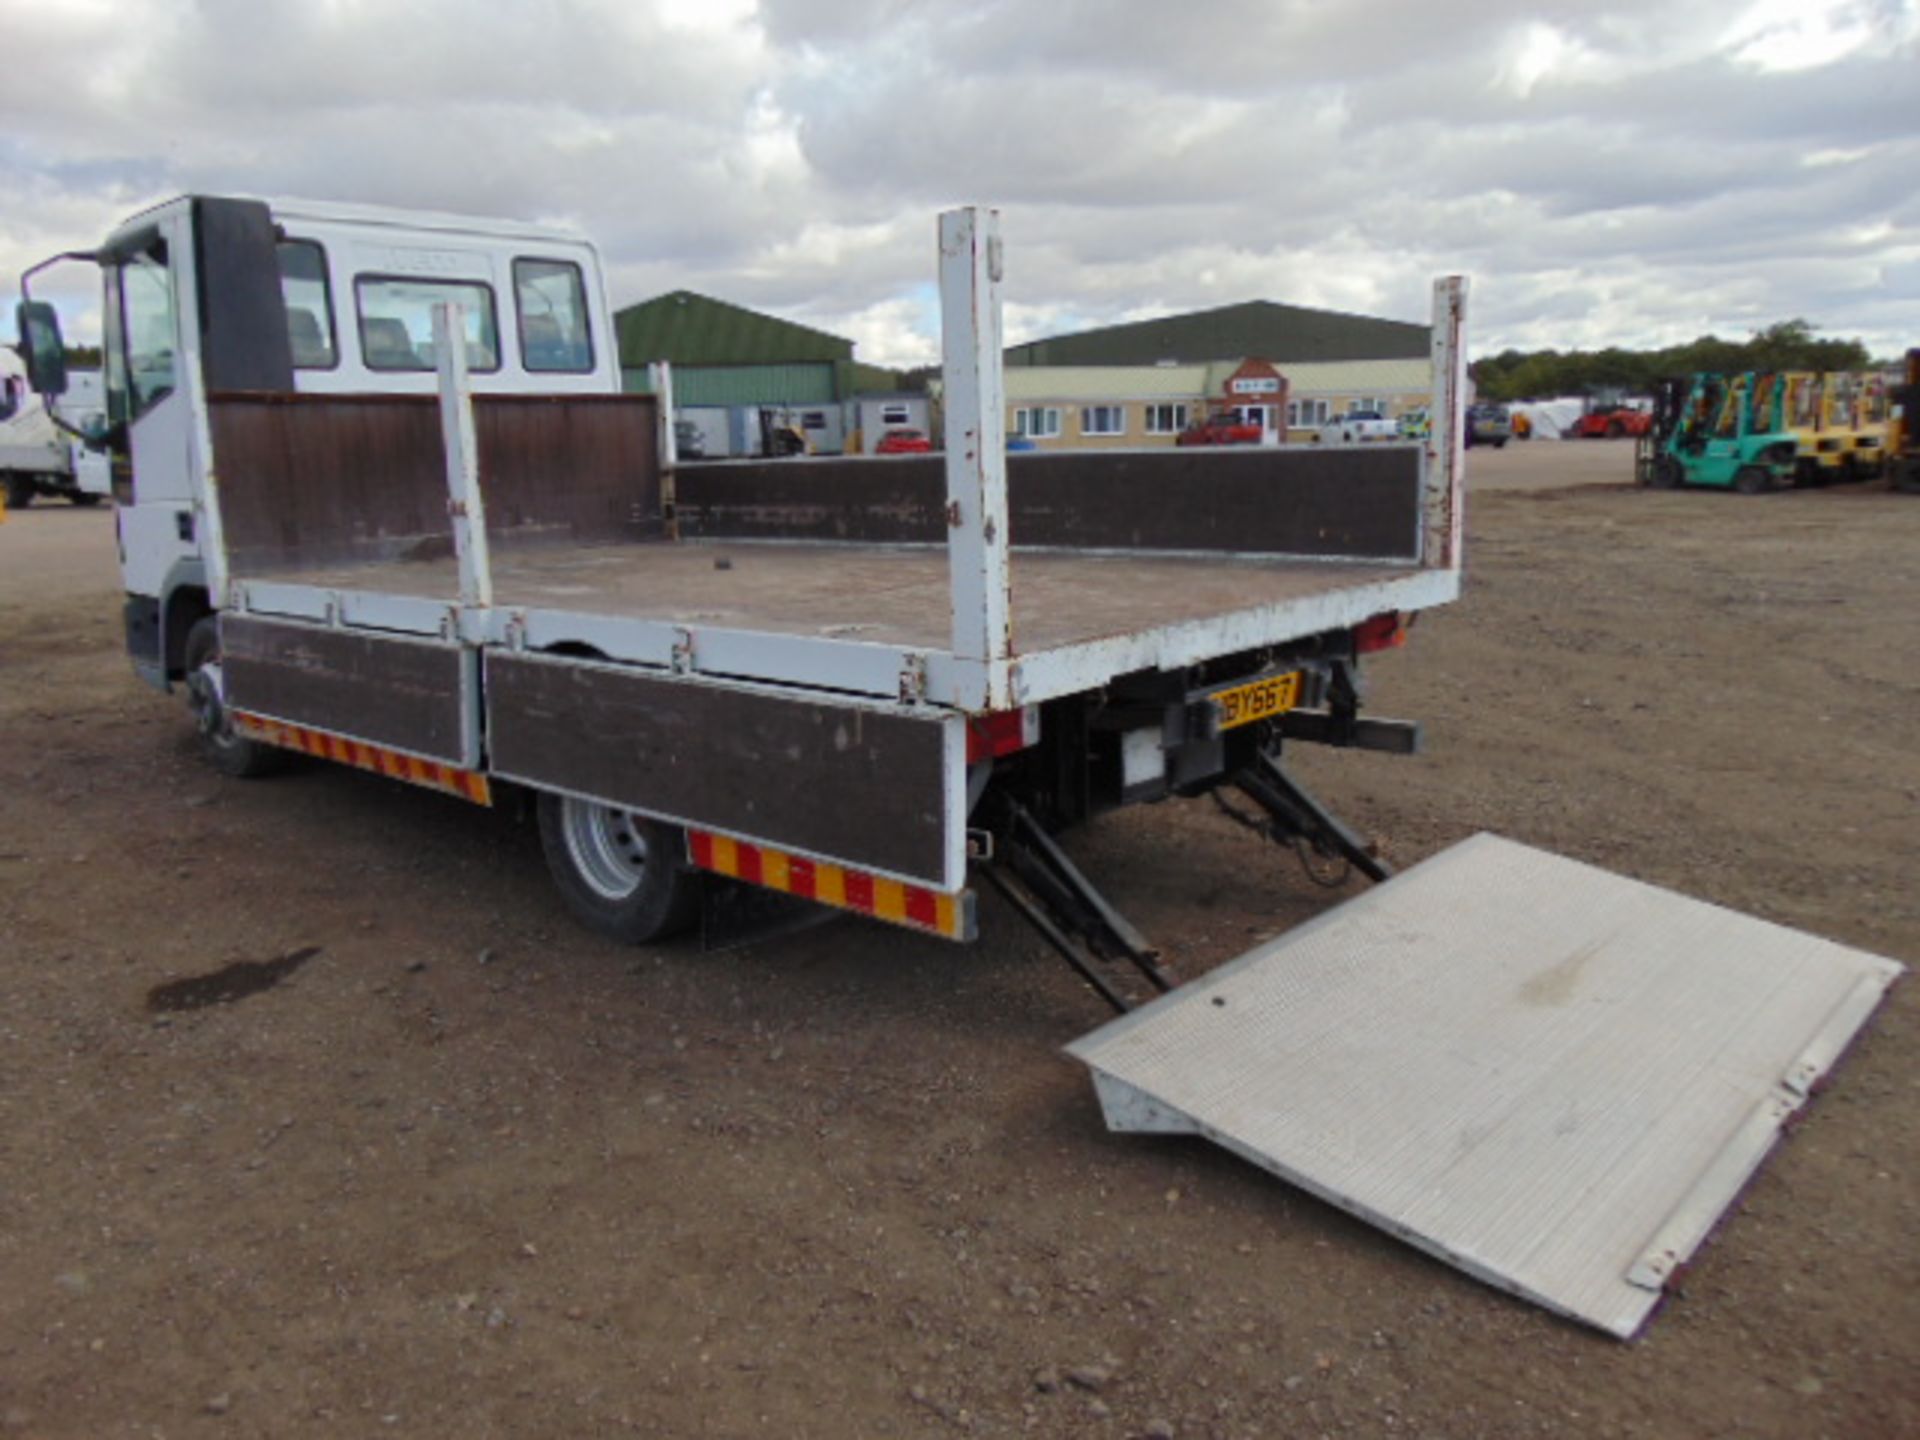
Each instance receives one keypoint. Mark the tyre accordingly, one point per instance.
(1499, 444)
(1752, 480)
(621, 874)
(84, 499)
(20, 491)
(1665, 474)
(1615, 430)
(1906, 476)
(220, 745)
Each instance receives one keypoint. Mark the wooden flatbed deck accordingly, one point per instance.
(895, 595)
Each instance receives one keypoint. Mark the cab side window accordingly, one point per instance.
(551, 299)
(146, 309)
(396, 321)
(309, 300)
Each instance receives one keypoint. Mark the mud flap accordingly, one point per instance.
(1552, 1077)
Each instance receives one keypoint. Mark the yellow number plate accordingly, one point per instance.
(1260, 700)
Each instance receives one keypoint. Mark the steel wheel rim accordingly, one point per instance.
(606, 847)
(209, 709)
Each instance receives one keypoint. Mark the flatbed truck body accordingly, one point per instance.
(464, 547)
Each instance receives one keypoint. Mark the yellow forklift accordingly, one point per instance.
(1903, 428)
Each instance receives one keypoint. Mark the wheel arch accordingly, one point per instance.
(184, 599)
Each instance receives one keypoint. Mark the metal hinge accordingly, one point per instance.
(913, 680)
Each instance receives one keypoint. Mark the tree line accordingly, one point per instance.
(1543, 374)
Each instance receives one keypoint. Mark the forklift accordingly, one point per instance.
(1720, 432)
(1903, 429)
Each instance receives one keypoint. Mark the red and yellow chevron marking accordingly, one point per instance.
(467, 784)
(914, 906)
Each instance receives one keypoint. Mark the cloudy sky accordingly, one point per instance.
(1607, 172)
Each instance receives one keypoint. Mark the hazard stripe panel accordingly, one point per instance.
(896, 901)
(467, 784)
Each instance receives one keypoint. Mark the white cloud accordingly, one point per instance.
(790, 154)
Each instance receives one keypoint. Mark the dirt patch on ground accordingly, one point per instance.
(464, 1170)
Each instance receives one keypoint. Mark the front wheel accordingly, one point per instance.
(20, 491)
(220, 744)
(620, 873)
(85, 499)
(1665, 474)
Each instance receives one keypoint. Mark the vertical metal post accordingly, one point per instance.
(976, 423)
(660, 381)
(1446, 480)
(464, 505)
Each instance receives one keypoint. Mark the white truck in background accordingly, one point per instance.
(1357, 426)
(41, 456)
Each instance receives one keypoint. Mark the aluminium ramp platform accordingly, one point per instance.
(1552, 1077)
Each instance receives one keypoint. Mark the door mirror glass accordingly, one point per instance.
(41, 347)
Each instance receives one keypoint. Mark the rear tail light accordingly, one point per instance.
(1382, 632)
(1002, 732)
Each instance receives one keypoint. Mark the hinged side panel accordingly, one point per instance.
(872, 786)
(416, 696)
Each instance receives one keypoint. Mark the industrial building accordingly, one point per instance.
(1125, 406)
(1285, 368)
(739, 376)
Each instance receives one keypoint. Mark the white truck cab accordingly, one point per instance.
(207, 295)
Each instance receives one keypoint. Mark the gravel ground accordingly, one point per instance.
(460, 1169)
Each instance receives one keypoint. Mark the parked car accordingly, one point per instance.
(1356, 426)
(1488, 425)
(1611, 422)
(688, 442)
(1223, 427)
(903, 442)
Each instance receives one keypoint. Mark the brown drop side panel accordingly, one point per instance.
(409, 695)
(865, 787)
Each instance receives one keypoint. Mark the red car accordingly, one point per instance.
(903, 442)
(1223, 428)
(1611, 424)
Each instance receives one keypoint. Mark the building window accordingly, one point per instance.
(1306, 413)
(1103, 420)
(1041, 422)
(552, 301)
(1166, 419)
(309, 301)
(396, 321)
(895, 415)
(1368, 402)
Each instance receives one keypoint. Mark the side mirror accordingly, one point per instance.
(41, 347)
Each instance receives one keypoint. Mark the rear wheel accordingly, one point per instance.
(20, 491)
(85, 499)
(621, 873)
(222, 746)
(1752, 480)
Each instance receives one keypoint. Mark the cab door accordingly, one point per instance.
(150, 403)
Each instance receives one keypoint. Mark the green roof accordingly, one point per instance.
(805, 384)
(691, 329)
(1280, 333)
